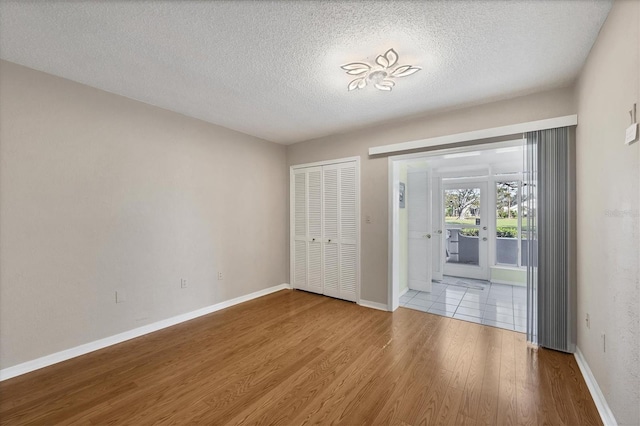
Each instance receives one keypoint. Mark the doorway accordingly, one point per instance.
(466, 229)
(451, 229)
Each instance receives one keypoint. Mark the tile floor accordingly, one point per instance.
(497, 305)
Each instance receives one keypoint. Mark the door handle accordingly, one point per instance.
(427, 236)
(484, 228)
(439, 231)
(484, 238)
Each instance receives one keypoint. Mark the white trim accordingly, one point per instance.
(513, 283)
(601, 403)
(530, 126)
(47, 360)
(504, 267)
(454, 150)
(292, 207)
(326, 162)
(358, 228)
(403, 292)
(374, 305)
(393, 248)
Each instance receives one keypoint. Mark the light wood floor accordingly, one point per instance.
(297, 358)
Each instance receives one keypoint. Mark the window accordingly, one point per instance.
(509, 223)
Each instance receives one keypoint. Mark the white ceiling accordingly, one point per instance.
(272, 68)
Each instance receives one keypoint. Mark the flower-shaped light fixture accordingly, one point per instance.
(382, 74)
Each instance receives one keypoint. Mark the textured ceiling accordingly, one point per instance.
(272, 69)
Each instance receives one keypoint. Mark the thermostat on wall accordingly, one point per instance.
(632, 134)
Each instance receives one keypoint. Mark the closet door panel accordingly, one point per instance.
(314, 236)
(348, 198)
(331, 231)
(300, 265)
(299, 228)
(348, 272)
(314, 282)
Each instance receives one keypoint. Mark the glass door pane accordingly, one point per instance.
(507, 223)
(462, 222)
(465, 229)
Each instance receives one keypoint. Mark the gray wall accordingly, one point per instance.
(374, 171)
(99, 192)
(608, 179)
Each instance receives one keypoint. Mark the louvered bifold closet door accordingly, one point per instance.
(331, 231)
(314, 237)
(325, 228)
(348, 230)
(300, 230)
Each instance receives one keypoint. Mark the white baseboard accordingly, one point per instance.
(47, 360)
(374, 305)
(403, 292)
(601, 403)
(513, 283)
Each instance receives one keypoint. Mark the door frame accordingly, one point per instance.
(393, 191)
(482, 271)
(292, 169)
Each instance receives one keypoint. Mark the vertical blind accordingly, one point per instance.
(550, 209)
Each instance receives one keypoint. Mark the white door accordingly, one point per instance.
(325, 229)
(466, 227)
(418, 199)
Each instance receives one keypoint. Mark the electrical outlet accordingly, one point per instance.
(588, 321)
(219, 276)
(120, 296)
(183, 283)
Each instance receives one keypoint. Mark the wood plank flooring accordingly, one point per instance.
(295, 358)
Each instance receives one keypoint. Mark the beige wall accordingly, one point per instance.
(99, 192)
(374, 171)
(608, 217)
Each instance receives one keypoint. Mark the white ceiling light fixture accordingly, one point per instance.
(381, 74)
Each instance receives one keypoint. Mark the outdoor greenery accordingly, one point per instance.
(501, 232)
(462, 207)
(461, 203)
(507, 199)
(470, 232)
(507, 231)
(472, 221)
